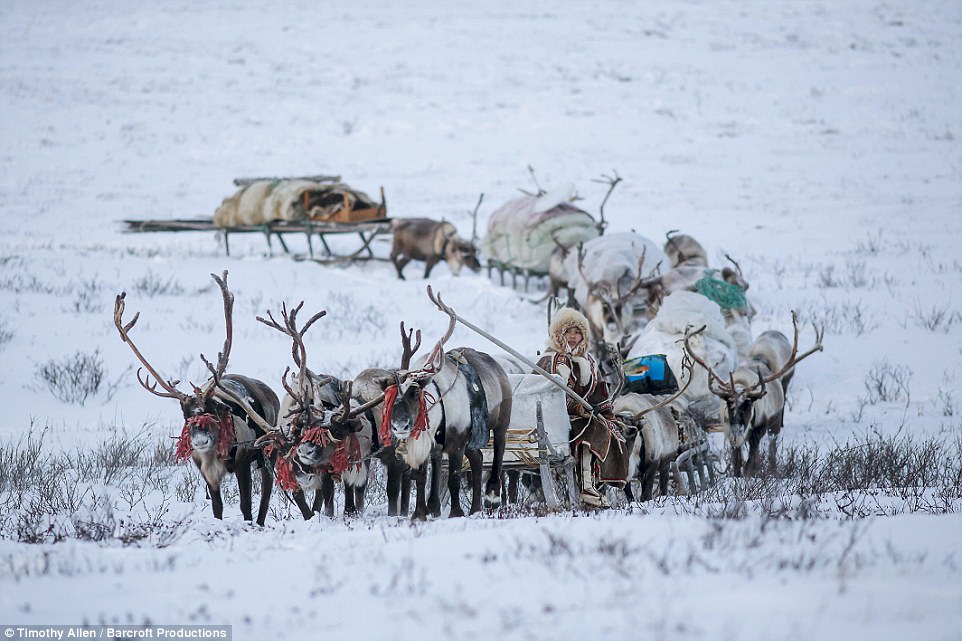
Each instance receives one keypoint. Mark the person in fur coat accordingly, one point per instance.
(597, 440)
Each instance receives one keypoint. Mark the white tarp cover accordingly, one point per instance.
(523, 231)
(527, 390)
(665, 332)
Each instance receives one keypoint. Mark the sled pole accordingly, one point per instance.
(567, 390)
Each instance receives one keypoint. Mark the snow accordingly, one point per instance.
(816, 143)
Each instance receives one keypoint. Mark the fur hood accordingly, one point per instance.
(564, 319)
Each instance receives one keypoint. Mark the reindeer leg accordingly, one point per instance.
(663, 472)
(429, 265)
(301, 501)
(420, 480)
(327, 491)
(405, 506)
(434, 500)
(242, 470)
(477, 470)
(349, 508)
(629, 493)
(648, 482)
(737, 462)
(399, 263)
(393, 486)
(266, 486)
(317, 505)
(455, 462)
(754, 440)
(359, 492)
(492, 491)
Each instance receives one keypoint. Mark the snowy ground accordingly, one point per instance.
(817, 143)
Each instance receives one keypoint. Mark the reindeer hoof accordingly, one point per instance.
(492, 501)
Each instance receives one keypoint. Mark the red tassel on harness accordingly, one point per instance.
(347, 454)
(420, 422)
(317, 435)
(390, 394)
(224, 433)
(285, 474)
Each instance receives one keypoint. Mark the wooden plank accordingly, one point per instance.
(243, 182)
(380, 225)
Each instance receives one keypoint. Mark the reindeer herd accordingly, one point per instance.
(457, 402)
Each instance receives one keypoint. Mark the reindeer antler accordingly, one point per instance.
(726, 390)
(653, 277)
(224, 355)
(794, 358)
(345, 412)
(221, 391)
(298, 351)
(407, 351)
(170, 387)
(612, 182)
(433, 363)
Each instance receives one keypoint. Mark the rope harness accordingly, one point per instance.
(222, 428)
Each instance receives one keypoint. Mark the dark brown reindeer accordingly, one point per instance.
(317, 441)
(223, 417)
(431, 241)
(451, 405)
(752, 404)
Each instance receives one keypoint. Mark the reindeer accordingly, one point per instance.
(431, 241)
(662, 423)
(223, 417)
(682, 249)
(612, 271)
(559, 276)
(751, 406)
(689, 266)
(314, 444)
(450, 405)
(369, 386)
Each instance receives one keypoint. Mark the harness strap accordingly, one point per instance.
(442, 426)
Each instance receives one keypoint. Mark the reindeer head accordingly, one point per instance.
(461, 253)
(610, 306)
(317, 432)
(406, 401)
(208, 412)
(739, 393)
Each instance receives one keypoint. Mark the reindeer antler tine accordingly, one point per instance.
(794, 358)
(345, 413)
(406, 350)
(170, 390)
(313, 319)
(712, 376)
